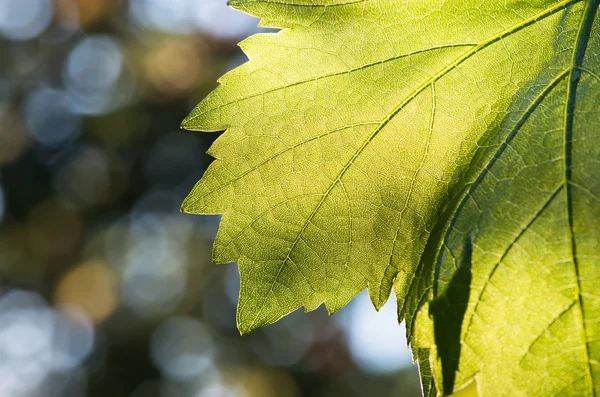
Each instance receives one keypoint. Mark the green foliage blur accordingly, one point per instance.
(107, 290)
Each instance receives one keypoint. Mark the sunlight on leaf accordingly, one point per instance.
(385, 144)
(469, 391)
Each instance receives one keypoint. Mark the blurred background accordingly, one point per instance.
(106, 289)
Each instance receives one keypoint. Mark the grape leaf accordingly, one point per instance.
(531, 326)
(447, 149)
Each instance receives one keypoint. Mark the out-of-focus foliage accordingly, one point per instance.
(446, 149)
(106, 289)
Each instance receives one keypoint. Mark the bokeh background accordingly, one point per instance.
(106, 289)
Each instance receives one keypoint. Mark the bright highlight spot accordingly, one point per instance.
(213, 17)
(36, 341)
(24, 19)
(376, 341)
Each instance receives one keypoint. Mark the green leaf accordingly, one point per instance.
(446, 148)
(532, 327)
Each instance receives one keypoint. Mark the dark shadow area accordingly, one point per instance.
(448, 311)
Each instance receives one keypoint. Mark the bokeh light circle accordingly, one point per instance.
(94, 76)
(90, 288)
(37, 342)
(376, 341)
(48, 116)
(182, 348)
(214, 17)
(24, 19)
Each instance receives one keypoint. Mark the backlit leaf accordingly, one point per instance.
(448, 149)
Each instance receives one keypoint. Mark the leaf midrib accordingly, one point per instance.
(581, 44)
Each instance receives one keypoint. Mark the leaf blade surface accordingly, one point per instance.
(366, 130)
